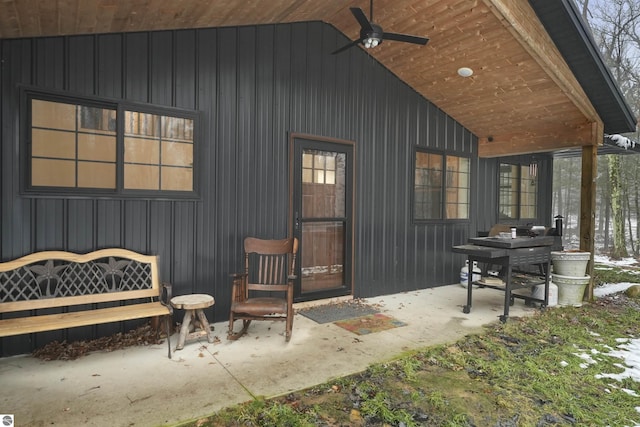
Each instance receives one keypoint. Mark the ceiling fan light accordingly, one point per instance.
(370, 42)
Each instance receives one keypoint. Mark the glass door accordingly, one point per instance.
(322, 208)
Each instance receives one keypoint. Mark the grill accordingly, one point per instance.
(529, 257)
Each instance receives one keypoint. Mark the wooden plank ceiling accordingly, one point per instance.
(521, 98)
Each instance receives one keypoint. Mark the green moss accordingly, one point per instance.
(633, 291)
(606, 274)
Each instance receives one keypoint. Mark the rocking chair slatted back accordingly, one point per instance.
(270, 269)
(274, 261)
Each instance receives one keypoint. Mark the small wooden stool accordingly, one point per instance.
(192, 306)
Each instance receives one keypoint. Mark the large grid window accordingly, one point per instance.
(158, 152)
(77, 146)
(72, 146)
(518, 191)
(441, 186)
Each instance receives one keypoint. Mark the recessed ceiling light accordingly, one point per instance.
(465, 72)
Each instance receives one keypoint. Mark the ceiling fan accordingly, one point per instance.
(371, 35)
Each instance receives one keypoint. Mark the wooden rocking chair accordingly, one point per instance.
(268, 269)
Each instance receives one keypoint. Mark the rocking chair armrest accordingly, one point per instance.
(238, 290)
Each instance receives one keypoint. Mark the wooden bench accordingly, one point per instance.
(108, 285)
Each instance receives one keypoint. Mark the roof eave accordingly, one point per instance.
(573, 39)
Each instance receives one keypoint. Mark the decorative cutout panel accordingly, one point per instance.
(55, 278)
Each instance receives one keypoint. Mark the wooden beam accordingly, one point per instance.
(522, 21)
(543, 139)
(588, 201)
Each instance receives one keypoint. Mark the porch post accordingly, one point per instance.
(588, 208)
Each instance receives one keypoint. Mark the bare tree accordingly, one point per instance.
(619, 241)
(615, 25)
(603, 199)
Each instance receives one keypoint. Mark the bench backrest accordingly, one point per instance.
(56, 279)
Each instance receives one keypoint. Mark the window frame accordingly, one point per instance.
(28, 94)
(443, 187)
(519, 166)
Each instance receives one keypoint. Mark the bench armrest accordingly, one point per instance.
(166, 293)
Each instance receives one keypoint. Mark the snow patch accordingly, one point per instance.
(622, 141)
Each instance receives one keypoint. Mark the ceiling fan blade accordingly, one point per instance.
(405, 38)
(345, 47)
(361, 18)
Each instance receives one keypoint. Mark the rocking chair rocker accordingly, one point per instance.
(268, 269)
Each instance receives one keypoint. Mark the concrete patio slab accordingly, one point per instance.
(140, 386)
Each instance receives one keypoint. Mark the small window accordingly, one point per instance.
(319, 167)
(75, 146)
(441, 187)
(518, 191)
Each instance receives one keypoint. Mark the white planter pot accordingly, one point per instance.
(568, 263)
(570, 289)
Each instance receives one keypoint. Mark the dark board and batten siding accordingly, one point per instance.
(253, 85)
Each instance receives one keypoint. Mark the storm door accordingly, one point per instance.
(322, 200)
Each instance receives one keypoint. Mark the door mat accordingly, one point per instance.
(328, 313)
(369, 324)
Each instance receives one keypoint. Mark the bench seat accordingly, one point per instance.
(51, 322)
